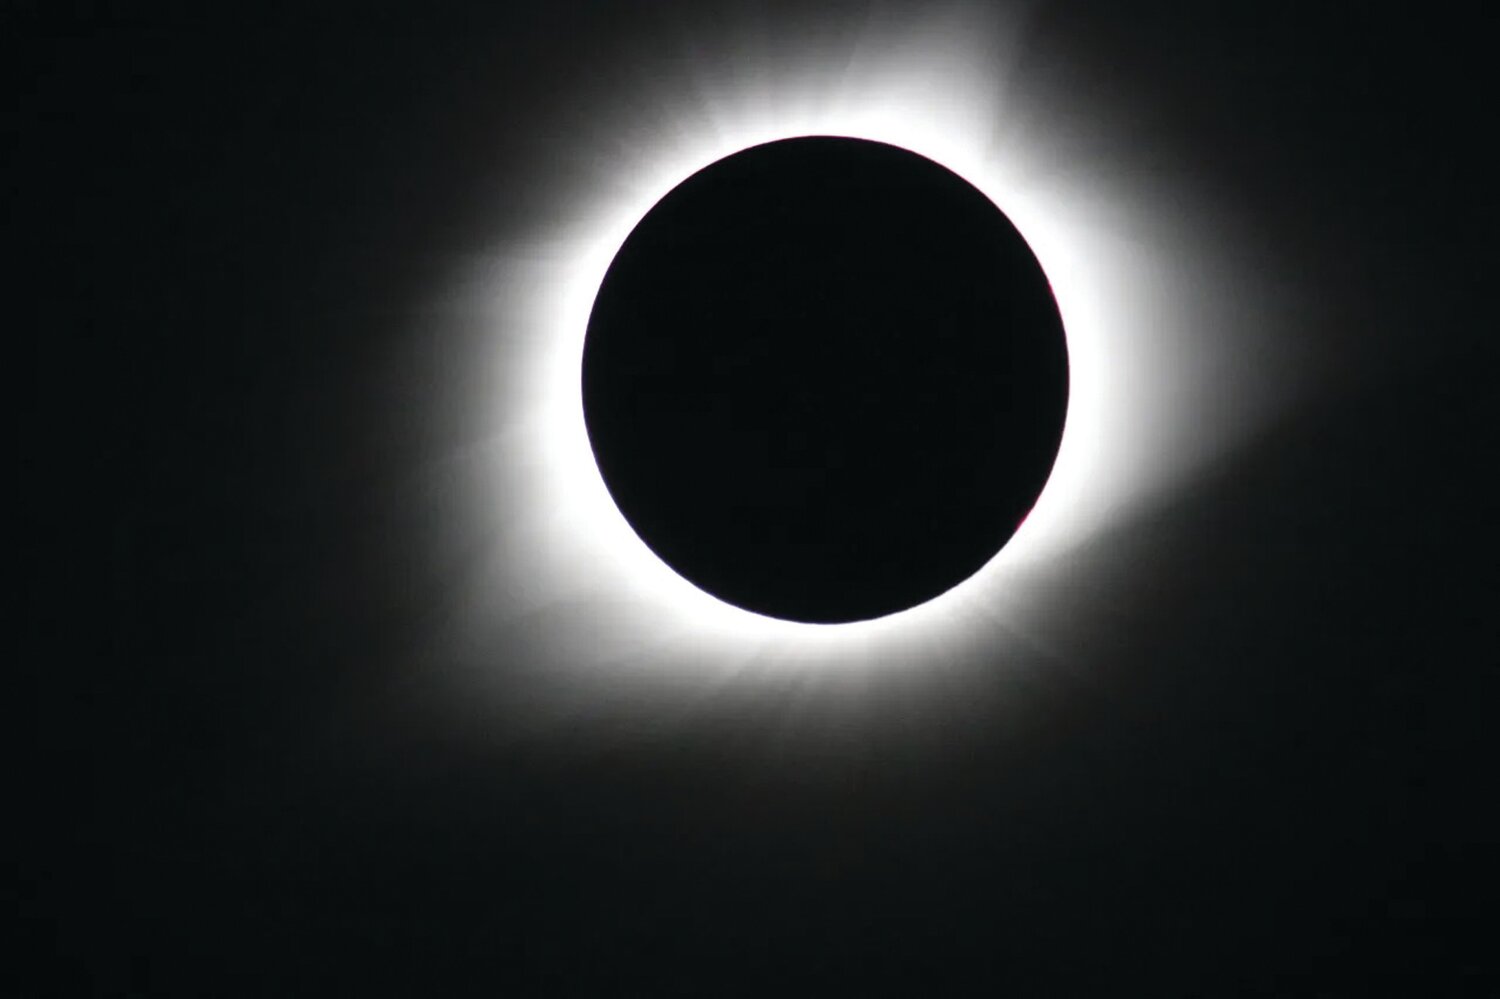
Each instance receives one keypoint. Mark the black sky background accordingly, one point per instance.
(1268, 773)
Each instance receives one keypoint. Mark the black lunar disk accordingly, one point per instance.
(825, 379)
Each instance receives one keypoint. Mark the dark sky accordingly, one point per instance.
(1265, 773)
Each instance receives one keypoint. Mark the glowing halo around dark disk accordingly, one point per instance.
(574, 484)
(1154, 307)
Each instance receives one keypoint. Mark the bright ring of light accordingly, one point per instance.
(1133, 273)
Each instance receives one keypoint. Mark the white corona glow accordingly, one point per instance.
(1133, 270)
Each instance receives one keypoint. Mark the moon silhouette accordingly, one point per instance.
(825, 379)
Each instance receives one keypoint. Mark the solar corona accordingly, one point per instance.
(666, 519)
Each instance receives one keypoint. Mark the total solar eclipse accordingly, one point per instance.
(825, 379)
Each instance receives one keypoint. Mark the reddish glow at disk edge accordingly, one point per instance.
(1134, 272)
